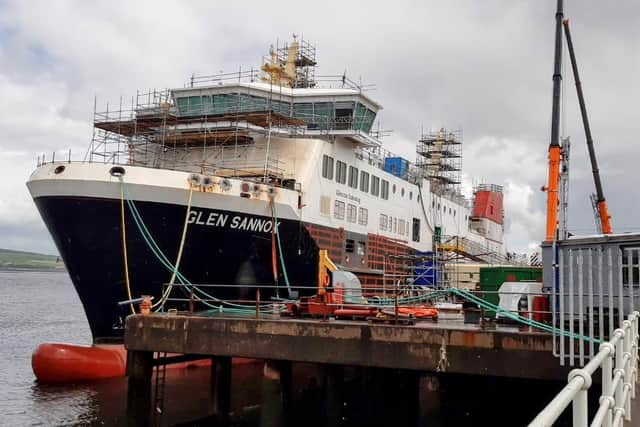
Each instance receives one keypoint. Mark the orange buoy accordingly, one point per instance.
(67, 363)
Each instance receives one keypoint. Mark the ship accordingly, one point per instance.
(239, 179)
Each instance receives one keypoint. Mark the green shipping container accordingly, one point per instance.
(491, 278)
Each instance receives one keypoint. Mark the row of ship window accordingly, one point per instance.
(354, 214)
(451, 211)
(444, 208)
(378, 187)
(318, 115)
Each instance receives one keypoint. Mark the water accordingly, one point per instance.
(38, 307)
(42, 307)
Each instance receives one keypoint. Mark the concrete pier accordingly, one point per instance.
(432, 347)
(386, 357)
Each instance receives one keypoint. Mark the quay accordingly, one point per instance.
(425, 348)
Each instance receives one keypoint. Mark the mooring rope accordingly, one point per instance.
(162, 258)
(124, 246)
(166, 294)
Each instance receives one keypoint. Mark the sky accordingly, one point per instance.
(482, 66)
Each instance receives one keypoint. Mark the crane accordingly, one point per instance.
(555, 150)
(600, 205)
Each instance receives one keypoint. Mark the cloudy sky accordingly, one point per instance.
(483, 66)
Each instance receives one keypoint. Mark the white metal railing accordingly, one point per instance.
(618, 383)
(595, 285)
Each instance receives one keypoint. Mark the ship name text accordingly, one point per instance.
(236, 222)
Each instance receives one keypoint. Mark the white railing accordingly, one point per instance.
(618, 384)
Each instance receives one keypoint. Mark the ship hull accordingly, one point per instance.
(88, 234)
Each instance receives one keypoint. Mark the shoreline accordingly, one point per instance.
(38, 270)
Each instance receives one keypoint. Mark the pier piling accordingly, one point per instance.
(139, 370)
(221, 388)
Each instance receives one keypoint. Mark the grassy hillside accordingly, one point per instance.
(10, 259)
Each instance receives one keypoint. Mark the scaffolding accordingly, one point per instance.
(149, 131)
(439, 159)
(292, 64)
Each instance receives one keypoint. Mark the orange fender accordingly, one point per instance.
(66, 363)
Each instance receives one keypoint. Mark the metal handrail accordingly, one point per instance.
(618, 385)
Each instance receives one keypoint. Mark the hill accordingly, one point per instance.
(10, 259)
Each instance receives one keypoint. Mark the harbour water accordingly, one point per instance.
(41, 307)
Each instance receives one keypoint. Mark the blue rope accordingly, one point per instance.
(157, 252)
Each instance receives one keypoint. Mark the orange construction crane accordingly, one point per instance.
(555, 150)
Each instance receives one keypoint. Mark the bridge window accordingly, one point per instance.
(344, 115)
(363, 217)
(375, 185)
(303, 111)
(280, 107)
(364, 181)
(360, 249)
(323, 115)
(363, 119)
(338, 210)
(352, 213)
(353, 177)
(327, 167)
(341, 172)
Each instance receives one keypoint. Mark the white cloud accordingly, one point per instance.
(483, 66)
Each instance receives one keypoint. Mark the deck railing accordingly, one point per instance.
(618, 383)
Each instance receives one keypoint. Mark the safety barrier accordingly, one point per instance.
(618, 383)
(594, 284)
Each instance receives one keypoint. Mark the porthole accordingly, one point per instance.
(402, 192)
(394, 189)
(59, 169)
(410, 195)
(117, 171)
